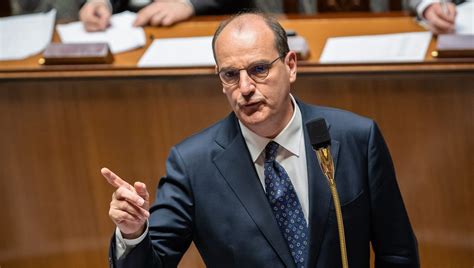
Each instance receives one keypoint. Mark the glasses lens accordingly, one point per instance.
(229, 76)
(259, 71)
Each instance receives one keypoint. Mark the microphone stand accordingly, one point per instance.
(327, 166)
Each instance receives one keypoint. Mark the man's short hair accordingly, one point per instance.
(281, 40)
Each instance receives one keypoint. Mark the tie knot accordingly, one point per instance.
(270, 151)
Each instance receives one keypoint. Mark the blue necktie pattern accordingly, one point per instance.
(285, 206)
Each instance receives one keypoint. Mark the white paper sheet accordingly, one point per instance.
(25, 35)
(179, 52)
(465, 18)
(121, 35)
(401, 47)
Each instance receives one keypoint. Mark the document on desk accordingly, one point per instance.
(179, 52)
(400, 47)
(465, 18)
(19, 40)
(120, 35)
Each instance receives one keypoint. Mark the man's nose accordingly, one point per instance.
(246, 83)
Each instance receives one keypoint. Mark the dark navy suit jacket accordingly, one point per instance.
(212, 195)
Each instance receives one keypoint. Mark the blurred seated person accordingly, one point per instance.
(67, 10)
(438, 19)
(96, 13)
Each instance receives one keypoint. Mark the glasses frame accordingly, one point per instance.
(256, 79)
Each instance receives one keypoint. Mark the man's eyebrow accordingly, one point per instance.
(265, 61)
(261, 61)
(226, 68)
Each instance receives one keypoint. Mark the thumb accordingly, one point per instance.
(141, 190)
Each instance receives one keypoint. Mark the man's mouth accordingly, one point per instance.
(250, 107)
(252, 104)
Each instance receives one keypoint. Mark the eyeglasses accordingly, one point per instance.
(257, 71)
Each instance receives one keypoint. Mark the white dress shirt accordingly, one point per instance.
(291, 154)
(420, 8)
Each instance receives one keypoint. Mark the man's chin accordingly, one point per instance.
(251, 119)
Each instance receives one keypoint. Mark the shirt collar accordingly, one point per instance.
(289, 138)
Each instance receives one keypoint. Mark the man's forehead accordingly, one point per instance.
(245, 24)
(244, 31)
(244, 40)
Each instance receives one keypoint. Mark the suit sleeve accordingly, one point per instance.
(393, 240)
(171, 218)
(119, 5)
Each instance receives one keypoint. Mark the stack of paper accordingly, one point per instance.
(402, 47)
(121, 35)
(179, 52)
(195, 51)
(25, 35)
(465, 18)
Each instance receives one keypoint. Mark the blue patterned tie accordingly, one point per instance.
(286, 206)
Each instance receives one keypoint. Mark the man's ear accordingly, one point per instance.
(291, 64)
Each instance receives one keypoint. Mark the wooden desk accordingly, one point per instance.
(60, 125)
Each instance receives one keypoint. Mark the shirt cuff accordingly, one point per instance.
(422, 6)
(189, 3)
(123, 246)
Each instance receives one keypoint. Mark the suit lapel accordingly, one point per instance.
(237, 168)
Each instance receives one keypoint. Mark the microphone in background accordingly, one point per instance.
(321, 142)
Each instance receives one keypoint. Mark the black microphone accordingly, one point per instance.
(321, 142)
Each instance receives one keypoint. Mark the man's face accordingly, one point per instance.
(263, 105)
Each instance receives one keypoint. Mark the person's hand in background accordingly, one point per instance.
(164, 13)
(440, 19)
(95, 15)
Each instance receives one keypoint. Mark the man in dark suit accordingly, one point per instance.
(248, 190)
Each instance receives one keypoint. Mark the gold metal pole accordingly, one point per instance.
(327, 166)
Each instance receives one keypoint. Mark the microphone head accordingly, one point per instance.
(318, 133)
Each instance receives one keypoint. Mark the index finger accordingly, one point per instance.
(113, 179)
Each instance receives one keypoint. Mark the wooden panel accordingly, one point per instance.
(57, 134)
(427, 121)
